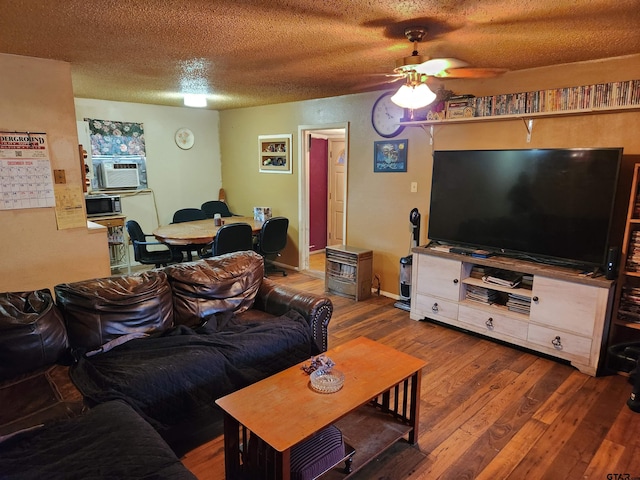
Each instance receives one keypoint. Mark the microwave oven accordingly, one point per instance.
(103, 205)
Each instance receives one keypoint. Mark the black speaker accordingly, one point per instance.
(611, 267)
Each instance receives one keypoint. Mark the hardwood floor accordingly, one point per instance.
(488, 411)
(317, 263)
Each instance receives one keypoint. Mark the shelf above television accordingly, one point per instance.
(522, 116)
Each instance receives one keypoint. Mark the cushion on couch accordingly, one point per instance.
(108, 442)
(226, 283)
(100, 310)
(32, 332)
(38, 397)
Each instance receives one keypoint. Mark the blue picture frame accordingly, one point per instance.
(390, 156)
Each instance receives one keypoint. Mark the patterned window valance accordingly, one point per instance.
(116, 138)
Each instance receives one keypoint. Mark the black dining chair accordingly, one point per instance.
(212, 207)
(234, 237)
(271, 241)
(190, 215)
(141, 254)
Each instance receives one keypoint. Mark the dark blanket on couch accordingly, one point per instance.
(110, 441)
(174, 376)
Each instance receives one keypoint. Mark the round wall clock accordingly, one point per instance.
(184, 138)
(386, 116)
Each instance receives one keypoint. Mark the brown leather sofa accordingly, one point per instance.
(100, 310)
(252, 320)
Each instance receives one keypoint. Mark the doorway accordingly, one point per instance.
(322, 181)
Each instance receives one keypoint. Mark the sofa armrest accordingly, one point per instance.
(277, 299)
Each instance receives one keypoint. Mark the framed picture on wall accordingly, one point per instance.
(390, 156)
(274, 153)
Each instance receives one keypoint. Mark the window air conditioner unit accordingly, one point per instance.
(120, 175)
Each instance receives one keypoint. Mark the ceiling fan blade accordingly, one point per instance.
(386, 75)
(436, 65)
(471, 72)
(380, 83)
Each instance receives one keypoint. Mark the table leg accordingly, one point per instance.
(232, 467)
(414, 408)
(283, 465)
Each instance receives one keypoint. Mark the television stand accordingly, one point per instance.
(556, 311)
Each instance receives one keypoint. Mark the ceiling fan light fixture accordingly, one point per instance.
(413, 96)
(198, 100)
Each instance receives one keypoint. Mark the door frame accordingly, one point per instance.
(303, 185)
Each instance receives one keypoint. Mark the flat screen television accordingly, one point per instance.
(549, 205)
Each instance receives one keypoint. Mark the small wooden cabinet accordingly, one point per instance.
(558, 311)
(118, 245)
(348, 271)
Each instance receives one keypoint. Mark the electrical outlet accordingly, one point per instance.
(414, 187)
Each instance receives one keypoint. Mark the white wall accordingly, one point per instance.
(178, 178)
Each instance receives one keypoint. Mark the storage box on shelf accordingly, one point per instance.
(625, 326)
(348, 271)
(552, 310)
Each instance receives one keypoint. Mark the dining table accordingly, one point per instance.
(199, 232)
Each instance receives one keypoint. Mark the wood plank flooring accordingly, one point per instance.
(488, 411)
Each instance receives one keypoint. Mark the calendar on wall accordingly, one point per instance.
(25, 171)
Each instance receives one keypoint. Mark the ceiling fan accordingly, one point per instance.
(416, 69)
(437, 67)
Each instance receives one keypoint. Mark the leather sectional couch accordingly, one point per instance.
(159, 346)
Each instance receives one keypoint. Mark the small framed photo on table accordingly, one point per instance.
(390, 156)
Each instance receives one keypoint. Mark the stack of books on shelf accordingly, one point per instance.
(630, 304)
(483, 295)
(519, 303)
(633, 255)
(478, 271)
(503, 278)
(585, 97)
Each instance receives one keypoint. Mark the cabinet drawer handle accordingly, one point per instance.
(455, 281)
(535, 299)
(489, 323)
(557, 342)
(435, 308)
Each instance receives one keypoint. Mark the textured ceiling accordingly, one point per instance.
(256, 52)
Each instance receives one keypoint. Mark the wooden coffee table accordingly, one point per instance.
(377, 406)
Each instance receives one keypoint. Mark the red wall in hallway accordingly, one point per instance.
(318, 166)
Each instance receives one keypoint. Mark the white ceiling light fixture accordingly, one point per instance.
(415, 93)
(198, 100)
(193, 82)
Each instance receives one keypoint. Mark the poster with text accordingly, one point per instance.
(25, 171)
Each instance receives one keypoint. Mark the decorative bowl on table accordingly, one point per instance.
(327, 381)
